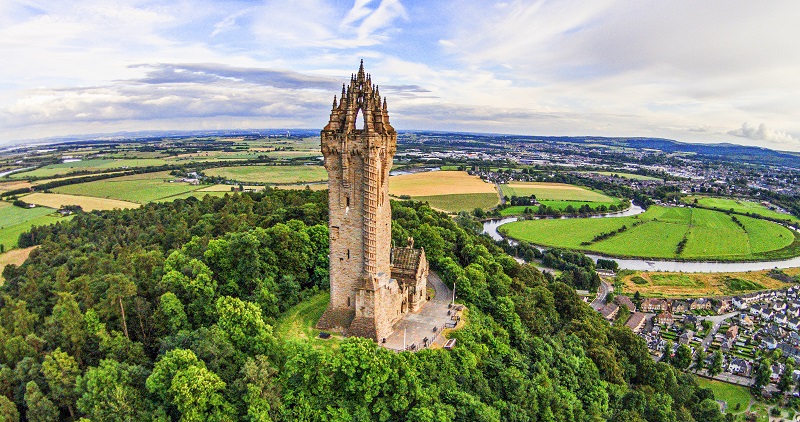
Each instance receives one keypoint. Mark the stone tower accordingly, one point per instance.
(358, 144)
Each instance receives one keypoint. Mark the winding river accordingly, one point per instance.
(490, 227)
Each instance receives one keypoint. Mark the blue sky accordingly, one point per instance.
(714, 71)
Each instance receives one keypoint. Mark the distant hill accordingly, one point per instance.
(727, 152)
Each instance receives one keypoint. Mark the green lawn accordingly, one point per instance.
(461, 201)
(271, 174)
(298, 323)
(731, 394)
(140, 188)
(710, 235)
(740, 206)
(16, 220)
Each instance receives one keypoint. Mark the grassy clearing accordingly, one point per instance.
(732, 394)
(710, 235)
(460, 202)
(686, 285)
(16, 257)
(623, 175)
(139, 188)
(87, 203)
(299, 322)
(271, 174)
(555, 192)
(226, 188)
(739, 206)
(433, 183)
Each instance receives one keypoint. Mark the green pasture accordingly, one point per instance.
(555, 192)
(15, 221)
(711, 235)
(740, 206)
(460, 201)
(271, 174)
(141, 188)
(91, 165)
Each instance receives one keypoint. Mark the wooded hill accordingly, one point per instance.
(165, 312)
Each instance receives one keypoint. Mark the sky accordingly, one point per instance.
(694, 71)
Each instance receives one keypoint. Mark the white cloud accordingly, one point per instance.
(761, 133)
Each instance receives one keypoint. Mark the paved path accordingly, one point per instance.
(500, 193)
(419, 325)
(602, 292)
(717, 320)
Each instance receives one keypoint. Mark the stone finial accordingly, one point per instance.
(410, 242)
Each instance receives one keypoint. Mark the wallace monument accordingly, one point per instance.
(372, 284)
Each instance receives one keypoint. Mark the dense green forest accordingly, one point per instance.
(166, 312)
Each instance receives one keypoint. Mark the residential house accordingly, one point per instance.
(679, 307)
(653, 305)
(732, 333)
(703, 304)
(722, 306)
(739, 303)
(686, 337)
(625, 301)
(739, 366)
(609, 311)
(636, 322)
(665, 318)
(788, 350)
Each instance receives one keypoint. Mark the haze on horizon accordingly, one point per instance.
(690, 71)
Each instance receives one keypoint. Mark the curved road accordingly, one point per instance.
(602, 292)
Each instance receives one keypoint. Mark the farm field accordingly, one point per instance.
(15, 220)
(226, 188)
(87, 203)
(15, 256)
(710, 235)
(92, 165)
(450, 191)
(624, 175)
(555, 192)
(688, 285)
(431, 183)
(139, 188)
(271, 174)
(740, 206)
(6, 186)
(460, 202)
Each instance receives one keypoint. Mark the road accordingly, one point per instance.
(602, 293)
(717, 320)
(500, 194)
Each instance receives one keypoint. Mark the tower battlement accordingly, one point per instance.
(358, 145)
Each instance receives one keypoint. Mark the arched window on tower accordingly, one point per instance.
(359, 125)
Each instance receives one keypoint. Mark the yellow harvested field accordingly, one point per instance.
(687, 285)
(88, 203)
(438, 183)
(7, 186)
(14, 256)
